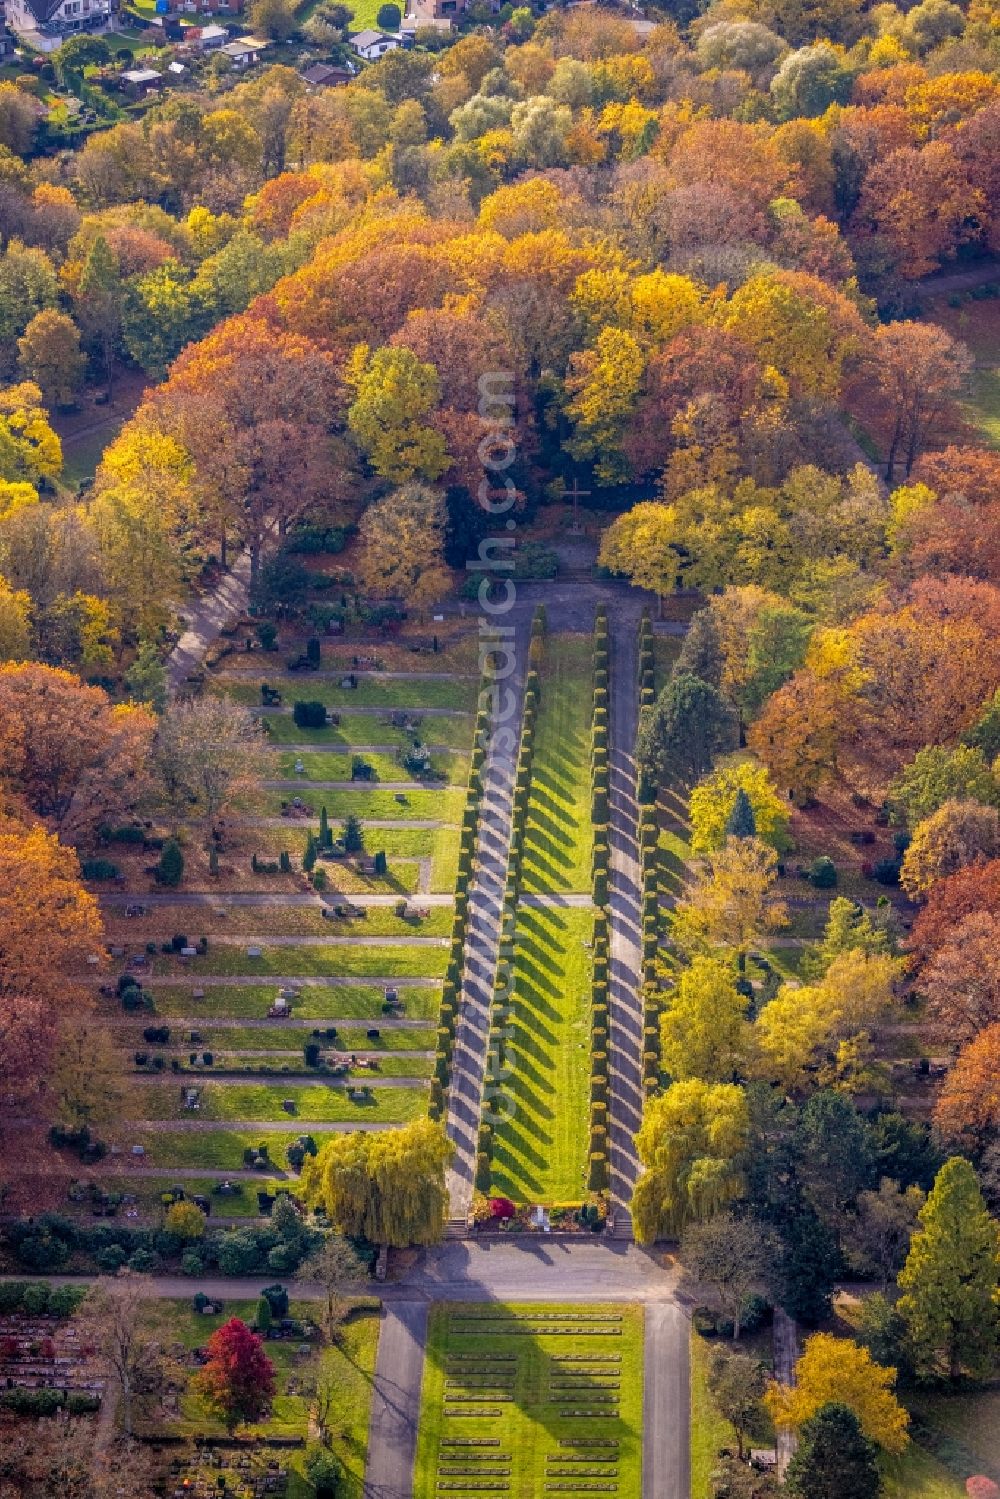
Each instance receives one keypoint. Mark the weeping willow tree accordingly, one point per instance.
(689, 1141)
(386, 1187)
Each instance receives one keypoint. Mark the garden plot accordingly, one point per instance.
(346, 1371)
(325, 1001)
(442, 730)
(234, 1022)
(210, 1147)
(526, 1401)
(346, 957)
(413, 694)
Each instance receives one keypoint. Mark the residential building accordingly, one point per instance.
(206, 38)
(141, 81)
(244, 52)
(326, 75)
(371, 45)
(45, 24)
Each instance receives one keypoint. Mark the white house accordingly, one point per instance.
(207, 37)
(46, 24)
(371, 45)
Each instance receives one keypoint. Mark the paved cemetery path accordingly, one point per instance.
(786, 1352)
(557, 1268)
(666, 1404)
(205, 618)
(395, 1410)
(625, 895)
(482, 945)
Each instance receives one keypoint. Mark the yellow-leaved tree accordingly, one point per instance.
(689, 1143)
(838, 1370)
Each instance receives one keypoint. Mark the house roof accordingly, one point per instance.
(142, 75)
(368, 39)
(241, 48)
(43, 10)
(324, 72)
(206, 33)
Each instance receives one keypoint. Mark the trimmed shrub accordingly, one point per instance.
(309, 715)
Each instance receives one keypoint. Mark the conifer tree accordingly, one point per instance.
(951, 1279)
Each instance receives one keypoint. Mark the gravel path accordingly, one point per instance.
(625, 1012)
(205, 618)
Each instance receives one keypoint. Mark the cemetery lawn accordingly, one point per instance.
(219, 1149)
(558, 837)
(955, 1436)
(529, 1428)
(317, 1002)
(453, 731)
(444, 805)
(149, 1191)
(351, 959)
(349, 1366)
(541, 1137)
(314, 1102)
(234, 1039)
(709, 1430)
(328, 765)
(391, 693)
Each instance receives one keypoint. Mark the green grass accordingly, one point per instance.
(983, 404)
(364, 14)
(365, 728)
(349, 1367)
(666, 649)
(390, 693)
(531, 1425)
(292, 1068)
(315, 1002)
(149, 1190)
(709, 1431)
(955, 1436)
(233, 1039)
(558, 840)
(541, 1137)
(917, 1475)
(247, 1102)
(221, 1148)
(370, 961)
(377, 921)
(328, 765)
(444, 805)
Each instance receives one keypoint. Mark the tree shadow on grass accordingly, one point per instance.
(589, 1365)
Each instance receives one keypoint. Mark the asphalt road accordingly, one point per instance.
(666, 1404)
(395, 1412)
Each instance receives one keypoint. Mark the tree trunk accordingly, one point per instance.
(224, 548)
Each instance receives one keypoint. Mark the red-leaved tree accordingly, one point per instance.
(238, 1379)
